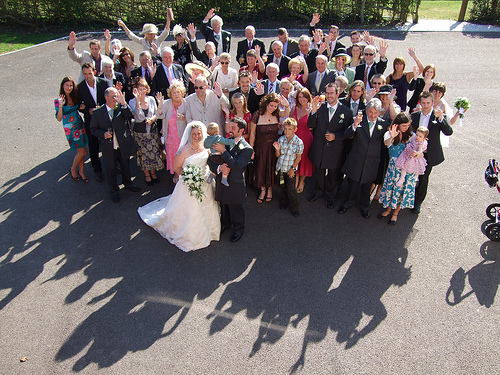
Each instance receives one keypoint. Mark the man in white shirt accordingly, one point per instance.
(214, 33)
(369, 68)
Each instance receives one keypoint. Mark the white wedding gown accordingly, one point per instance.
(181, 218)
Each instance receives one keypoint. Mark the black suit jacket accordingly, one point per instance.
(310, 59)
(292, 47)
(325, 154)
(99, 125)
(87, 99)
(137, 72)
(284, 71)
(417, 85)
(237, 159)
(241, 52)
(363, 160)
(434, 154)
(253, 99)
(201, 56)
(118, 78)
(329, 76)
(347, 103)
(160, 80)
(208, 33)
(375, 69)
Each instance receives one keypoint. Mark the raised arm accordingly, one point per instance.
(411, 75)
(129, 33)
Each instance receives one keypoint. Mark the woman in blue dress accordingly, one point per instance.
(73, 125)
(392, 197)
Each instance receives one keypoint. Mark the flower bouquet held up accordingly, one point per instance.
(191, 176)
(462, 104)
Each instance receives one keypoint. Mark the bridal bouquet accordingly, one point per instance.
(191, 176)
(462, 104)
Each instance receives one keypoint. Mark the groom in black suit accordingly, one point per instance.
(110, 124)
(328, 122)
(233, 196)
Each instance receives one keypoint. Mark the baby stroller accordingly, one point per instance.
(492, 230)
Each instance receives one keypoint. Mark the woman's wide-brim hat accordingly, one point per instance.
(149, 28)
(197, 65)
(341, 52)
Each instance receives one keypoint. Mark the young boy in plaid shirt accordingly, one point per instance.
(289, 150)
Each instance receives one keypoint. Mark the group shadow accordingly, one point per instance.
(332, 272)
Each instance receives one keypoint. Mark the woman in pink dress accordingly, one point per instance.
(172, 111)
(300, 113)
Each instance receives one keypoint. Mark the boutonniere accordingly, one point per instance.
(434, 122)
(240, 146)
(342, 116)
(379, 127)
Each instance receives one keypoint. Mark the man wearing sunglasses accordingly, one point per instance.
(369, 68)
(205, 105)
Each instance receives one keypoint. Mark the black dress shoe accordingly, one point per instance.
(295, 213)
(365, 214)
(416, 209)
(115, 197)
(342, 210)
(223, 229)
(330, 203)
(133, 188)
(98, 176)
(236, 237)
(283, 206)
(313, 198)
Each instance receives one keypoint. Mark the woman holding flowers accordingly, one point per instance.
(189, 217)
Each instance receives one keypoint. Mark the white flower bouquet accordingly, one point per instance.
(191, 177)
(462, 104)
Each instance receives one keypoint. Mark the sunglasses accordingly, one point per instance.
(224, 62)
(369, 54)
(199, 87)
(126, 54)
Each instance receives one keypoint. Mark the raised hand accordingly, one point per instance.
(215, 62)
(416, 71)
(118, 86)
(316, 103)
(135, 92)
(107, 34)
(159, 98)
(371, 94)
(394, 130)
(283, 101)
(255, 77)
(317, 36)
(293, 77)
(170, 14)
(367, 37)
(72, 40)
(154, 48)
(315, 19)
(120, 98)
(382, 49)
(192, 30)
(62, 100)
(218, 89)
(411, 52)
(322, 48)
(439, 114)
(210, 14)
(259, 88)
(257, 49)
(226, 111)
(392, 95)
(151, 67)
(121, 23)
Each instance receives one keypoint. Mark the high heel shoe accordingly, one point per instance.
(76, 179)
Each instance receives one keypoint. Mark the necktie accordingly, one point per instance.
(366, 75)
(169, 76)
(209, 63)
(271, 87)
(217, 38)
(111, 113)
(371, 124)
(318, 82)
(331, 111)
(354, 107)
(249, 45)
(146, 74)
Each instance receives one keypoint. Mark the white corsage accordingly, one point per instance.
(342, 116)
(240, 146)
(379, 127)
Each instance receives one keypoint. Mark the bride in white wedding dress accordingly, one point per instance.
(181, 218)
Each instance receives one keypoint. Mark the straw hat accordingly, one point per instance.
(149, 28)
(197, 65)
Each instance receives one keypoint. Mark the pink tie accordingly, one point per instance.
(249, 45)
(271, 87)
(169, 76)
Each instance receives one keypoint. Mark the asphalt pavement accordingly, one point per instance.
(86, 287)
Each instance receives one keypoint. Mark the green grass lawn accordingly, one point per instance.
(13, 41)
(442, 10)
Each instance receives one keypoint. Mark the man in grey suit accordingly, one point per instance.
(363, 161)
(233, 196)
(329, 121)
(110, 124)
(317, 81)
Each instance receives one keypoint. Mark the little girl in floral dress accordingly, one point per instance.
(410, 164)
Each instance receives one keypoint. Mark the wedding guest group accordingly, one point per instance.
(311, 116)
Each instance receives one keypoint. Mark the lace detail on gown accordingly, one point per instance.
(181, 218)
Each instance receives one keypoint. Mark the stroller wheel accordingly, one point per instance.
(493, 232)
(492, 211)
